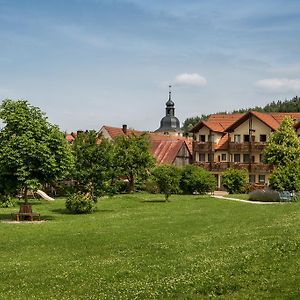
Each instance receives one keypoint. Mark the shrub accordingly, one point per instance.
(235, 181)
(266, 195)
(80, 203)
(167, 178)
(197, 180)
(150, 186)
(6, 201)
(286, 178)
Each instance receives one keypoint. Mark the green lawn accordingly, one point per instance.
(135, 248)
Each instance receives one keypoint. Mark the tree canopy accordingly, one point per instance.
(32, 151)
(283, 146)
(167, 178)
(132, 157)
(94, 163)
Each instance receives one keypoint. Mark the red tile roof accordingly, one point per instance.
(116, 131)
(164, 148)
(223, 143)
(217, 122)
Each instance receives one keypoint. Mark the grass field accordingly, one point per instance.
(134, 247)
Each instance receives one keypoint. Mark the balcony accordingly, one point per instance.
(246, 147)
(203, 146)
(223, 166)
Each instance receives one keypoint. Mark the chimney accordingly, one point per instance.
(124, 129)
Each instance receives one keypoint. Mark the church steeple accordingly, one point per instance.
(169, 124)
(170, 106)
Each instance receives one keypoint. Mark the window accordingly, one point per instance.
(224, 157)
(211, 138)
(261, 158)
(210, 157)
(237, 158)
(263, 138)
(202, 138)
(262, 178)
(253, 159)
(252, 178)
(246, 138)
(201, 156)
(246, 158)
(252, 138)
(237, 138)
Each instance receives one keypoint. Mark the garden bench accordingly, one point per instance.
(286, 196)
(25, 213)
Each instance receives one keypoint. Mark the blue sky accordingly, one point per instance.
(92, 62)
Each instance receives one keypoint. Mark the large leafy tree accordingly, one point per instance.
(283, 147)
(32, 151)
(132, 157)
(94, 170)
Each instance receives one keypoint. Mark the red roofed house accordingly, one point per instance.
(167, 149)
(237, 141)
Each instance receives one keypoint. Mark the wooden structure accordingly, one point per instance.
(25, 213)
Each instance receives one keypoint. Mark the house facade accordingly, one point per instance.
(237, 141)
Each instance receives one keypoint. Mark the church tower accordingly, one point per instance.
(169, 124)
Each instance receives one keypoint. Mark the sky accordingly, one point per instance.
(87, 63)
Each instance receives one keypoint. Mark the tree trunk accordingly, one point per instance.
(25, 195)
(131, 184)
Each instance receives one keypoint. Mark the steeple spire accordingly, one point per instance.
(170, 92)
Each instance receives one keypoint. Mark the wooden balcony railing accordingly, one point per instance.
(222, 166)
(246, 147)
(203, 146)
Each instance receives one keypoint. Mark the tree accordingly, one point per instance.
(167, 178)
(132, 157)
(286, 178)
(197, 180)
(235, 181)
(283, 147)
(32, 151)
(94, 166)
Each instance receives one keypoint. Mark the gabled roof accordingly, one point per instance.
(223, 143)
(166, 151)
(217, 122)
(272, 120)
(164, 148)
(281, 115)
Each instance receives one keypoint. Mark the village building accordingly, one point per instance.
(174, 150)
(237, 141)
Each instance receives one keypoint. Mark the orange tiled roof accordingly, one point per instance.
(116, 131)
(217, 122)
(268, 119)
(223, 143)
(281, 115)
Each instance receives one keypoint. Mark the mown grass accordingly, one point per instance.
(238, 196)
(134, 247)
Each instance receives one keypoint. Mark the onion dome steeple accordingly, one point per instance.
(169, 123)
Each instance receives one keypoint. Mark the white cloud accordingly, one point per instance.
(279, 85)
(193, 79)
